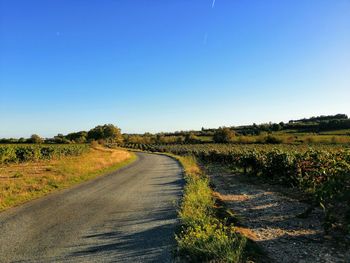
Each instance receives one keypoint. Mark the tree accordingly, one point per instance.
(276, 127)
(21, 140)
(36, 139)
(77, 137)
(223, 135)
(107, 132)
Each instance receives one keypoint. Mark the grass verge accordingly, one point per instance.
(26, 181)
(208, 232)
(204, 236)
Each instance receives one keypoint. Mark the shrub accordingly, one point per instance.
(223, 135)
(272, 139)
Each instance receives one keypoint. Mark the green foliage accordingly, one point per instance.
(197, 202)
(223, 135)
(60, 138)
(36, 139)
(313, 124)
(77, 137)
(107, 132)
(322, 171)
(211, 242)
(26, 152)
(204, 238)
(272, 139)
(191, 138)
(162, 139)
(7, 154)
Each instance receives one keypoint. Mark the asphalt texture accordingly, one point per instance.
(126, 216)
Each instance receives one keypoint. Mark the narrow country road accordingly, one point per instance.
(126, 216)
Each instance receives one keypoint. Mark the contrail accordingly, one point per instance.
(205, 37)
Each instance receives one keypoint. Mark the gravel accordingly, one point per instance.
(271, 217)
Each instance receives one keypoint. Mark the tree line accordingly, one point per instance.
(112, 134)
(103, 133)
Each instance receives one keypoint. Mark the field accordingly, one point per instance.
(337, 132)
(291, 137)
(30, 171)
(208, 229)
(321, 171)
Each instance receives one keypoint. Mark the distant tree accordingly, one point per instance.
(264, 127)
(36, 139)
(107, 132)
(21, 140)
(223, 135)
(58, 138)
(77, 137)
(276, 127)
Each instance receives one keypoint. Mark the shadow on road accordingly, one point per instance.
(135, 234)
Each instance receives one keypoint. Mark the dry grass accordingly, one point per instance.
(228, 197)
(26, 181)
(190, 165)
(248, 233)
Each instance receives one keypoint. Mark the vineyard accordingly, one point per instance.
(323, 172)
(17, 153)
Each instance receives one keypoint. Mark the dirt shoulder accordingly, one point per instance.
(269, 216)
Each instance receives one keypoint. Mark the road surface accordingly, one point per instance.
(126, 216)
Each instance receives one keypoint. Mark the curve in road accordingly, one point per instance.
(125, 216)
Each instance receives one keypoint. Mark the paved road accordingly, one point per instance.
(125, 216)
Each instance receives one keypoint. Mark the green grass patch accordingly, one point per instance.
(337, 132)
(203, 236)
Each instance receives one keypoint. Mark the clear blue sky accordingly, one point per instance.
(68, 65)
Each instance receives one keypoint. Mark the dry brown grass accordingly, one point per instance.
(229, 197)
(246, 232)
(26, 181)
(190, 165)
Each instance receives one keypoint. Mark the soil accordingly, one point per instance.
(270, 216)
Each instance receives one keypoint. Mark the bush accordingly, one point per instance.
(273, 139)
(223, 135)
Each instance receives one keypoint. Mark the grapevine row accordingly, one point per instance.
(321, 171)
(29, 152)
